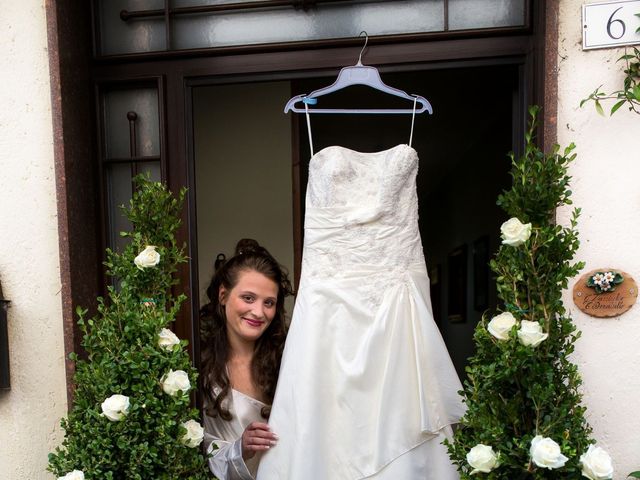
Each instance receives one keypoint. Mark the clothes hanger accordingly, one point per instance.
(357, 74)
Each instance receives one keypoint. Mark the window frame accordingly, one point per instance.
(167, 14)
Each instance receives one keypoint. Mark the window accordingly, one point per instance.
(145, 26)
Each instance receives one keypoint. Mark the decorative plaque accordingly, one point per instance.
(605, 292)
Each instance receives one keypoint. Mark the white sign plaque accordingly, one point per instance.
(610, 24)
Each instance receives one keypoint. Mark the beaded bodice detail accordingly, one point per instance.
(362, 213)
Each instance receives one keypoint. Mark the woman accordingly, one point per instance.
(243, 334)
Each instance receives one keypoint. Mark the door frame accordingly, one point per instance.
(534, 49)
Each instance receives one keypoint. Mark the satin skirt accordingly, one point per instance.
(367, 388)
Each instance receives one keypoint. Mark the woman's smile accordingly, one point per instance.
(253, 322)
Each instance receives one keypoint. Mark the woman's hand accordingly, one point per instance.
(257, 437)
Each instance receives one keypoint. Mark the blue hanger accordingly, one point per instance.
(358, 74)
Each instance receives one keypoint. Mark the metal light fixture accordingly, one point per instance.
(5, 383)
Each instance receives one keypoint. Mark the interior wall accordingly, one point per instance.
(29, 258)
(605, 186)
(243, 172)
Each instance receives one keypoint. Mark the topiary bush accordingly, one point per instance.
(524, 417)
(131, 417)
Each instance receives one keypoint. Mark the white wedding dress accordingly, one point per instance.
(367, 388)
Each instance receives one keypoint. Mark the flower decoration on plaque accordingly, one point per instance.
(605, 281)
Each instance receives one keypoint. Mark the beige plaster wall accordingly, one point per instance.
(29, 263)
(605, 185)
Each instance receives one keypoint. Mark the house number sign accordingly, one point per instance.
(605, 292)
(610, 24)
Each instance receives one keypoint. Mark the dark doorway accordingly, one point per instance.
(464, 166)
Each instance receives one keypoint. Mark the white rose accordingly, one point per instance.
(530, 334)
(482, 458)
(147, 258)
(596, 464)
(115, 407)
(194, 435)
(167, 339)
(546, 453)
(75, 475)
(501, 325)
(173, 382)
(514, 232)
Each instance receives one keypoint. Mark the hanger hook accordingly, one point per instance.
(366, 40)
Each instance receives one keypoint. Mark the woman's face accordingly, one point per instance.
(249, 306)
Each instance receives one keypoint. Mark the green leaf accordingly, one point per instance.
(634, 474)
(615, 108)
(599, 108)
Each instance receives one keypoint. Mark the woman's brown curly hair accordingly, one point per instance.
(265, 365)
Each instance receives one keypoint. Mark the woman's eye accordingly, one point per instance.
(247, 298)
(270, 303)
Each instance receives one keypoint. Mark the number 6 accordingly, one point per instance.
(611, 22)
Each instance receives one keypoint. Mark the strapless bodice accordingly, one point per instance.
(361, 211)
(349, 180)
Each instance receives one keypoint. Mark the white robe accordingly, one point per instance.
(227, 462)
